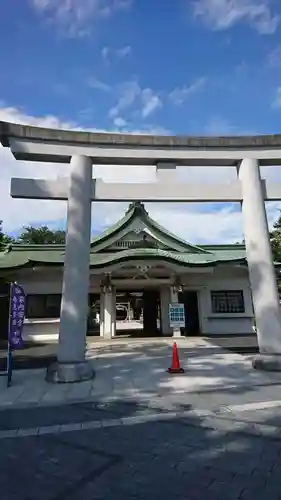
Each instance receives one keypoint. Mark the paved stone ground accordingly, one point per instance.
(138, 369)
(41, 354)
(132, 453)
(135, 432)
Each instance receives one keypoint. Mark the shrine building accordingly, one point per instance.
(137, 268)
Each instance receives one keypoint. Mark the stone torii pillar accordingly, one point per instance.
(261, 267)
(71, 365)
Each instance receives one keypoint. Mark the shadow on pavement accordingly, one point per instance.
(40, 355)
(188, 457)
(32, 356)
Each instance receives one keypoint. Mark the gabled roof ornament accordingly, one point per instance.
(138, 206)
(144, 243)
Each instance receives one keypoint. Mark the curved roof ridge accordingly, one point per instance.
(185, 259)
(137, 208)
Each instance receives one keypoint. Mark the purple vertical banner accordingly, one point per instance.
(17, 313)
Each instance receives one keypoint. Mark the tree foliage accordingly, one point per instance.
(275, 239)
(41, 236)
(5, 239)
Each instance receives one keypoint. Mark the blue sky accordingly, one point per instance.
(182, 67)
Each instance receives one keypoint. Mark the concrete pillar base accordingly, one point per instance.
(267, 362)
(69, 372)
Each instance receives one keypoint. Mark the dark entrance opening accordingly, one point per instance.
(129, 313)
(151, 303)
(190, 301)
(141, 308)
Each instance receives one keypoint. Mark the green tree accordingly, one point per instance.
(4, 238)
(41, 236)
(275, 239)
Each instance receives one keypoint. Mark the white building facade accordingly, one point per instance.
(137, 259)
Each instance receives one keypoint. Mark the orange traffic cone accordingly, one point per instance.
(175, 368)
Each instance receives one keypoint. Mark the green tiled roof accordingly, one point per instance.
(18, 255)
(178, 251)
(227, 250)
(184, 258)
(21, 257)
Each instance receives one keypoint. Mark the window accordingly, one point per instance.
(230, 301)
(43, 306)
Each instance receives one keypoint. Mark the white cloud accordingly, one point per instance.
(197, 224)
(128, 94)
(124, 51)
(222, 226)
(108, 53)
(105, 52)
(120, 122)
(180, 94)
(97, 84)
(151, 102)
(277, 99)
(194, 222)
(16, 213)
(74, 17)
(219, 125)
(134, 98)
(15, 115)
(223, 14)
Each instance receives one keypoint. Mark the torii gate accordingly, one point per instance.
(82, 149)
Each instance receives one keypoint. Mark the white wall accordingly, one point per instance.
(223, 278)
(236, 323)
(41, 329)
(40, 282)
